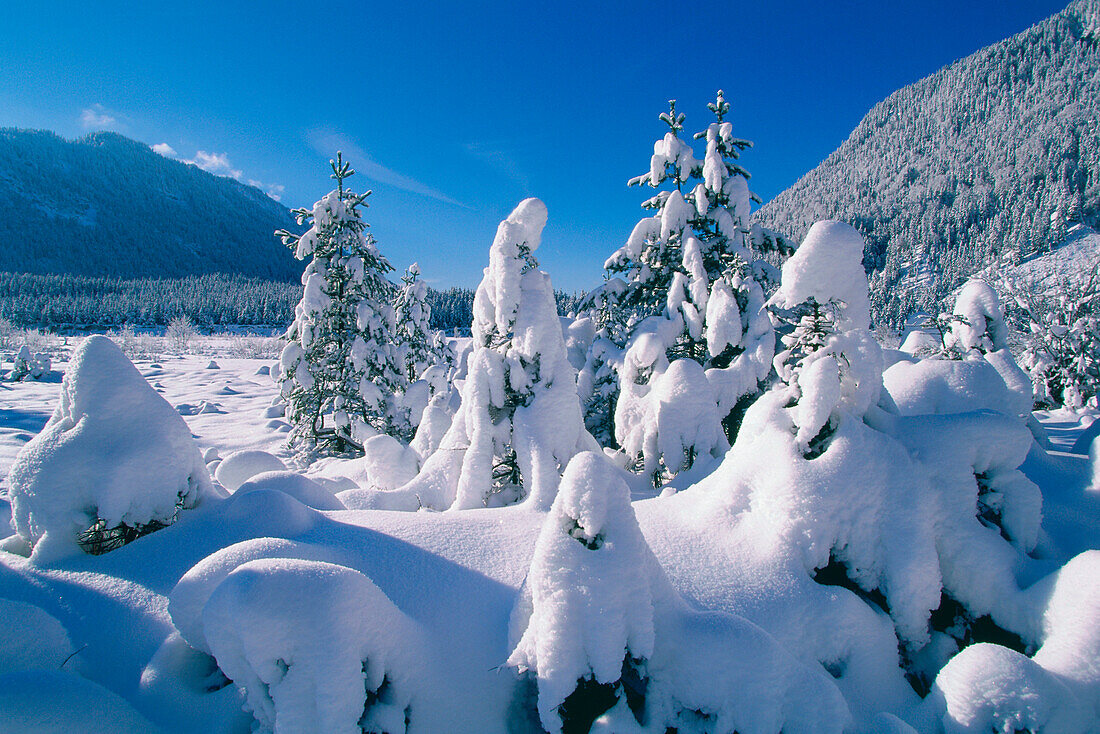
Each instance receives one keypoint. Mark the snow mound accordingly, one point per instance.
(315, 646)
(51, 701)
(991, 688)
(942, 386)
(386, 464)
(114, 452)
(239, 467)
(301, 488)
(187, 599)
(1071, 627)
(31, 638)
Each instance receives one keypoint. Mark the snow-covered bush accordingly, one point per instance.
(666, 416)
(587, 603)
(1062, 335)
(832, 364)
(519, 421)
(339, 370)
(179, 333)
(114, 462)
(600, 635)
(314, 646)
(30, 366)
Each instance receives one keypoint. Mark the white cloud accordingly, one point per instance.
(327, 142)
(216, 163)
(220, 165)
(97, 117)
(275, 191)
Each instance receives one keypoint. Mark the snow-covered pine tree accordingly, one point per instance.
(654, 252)
(420, 346)
(520, 421)
(339, 370)
(832, 363)
(739, 337)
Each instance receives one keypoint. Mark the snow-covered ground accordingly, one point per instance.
(236, 395)
(121, 639)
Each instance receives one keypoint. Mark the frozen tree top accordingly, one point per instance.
(828, 266)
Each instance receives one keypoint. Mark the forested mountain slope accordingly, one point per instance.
(105, 205)
(989, 158)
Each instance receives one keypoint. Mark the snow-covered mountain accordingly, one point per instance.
(105, 205)
(992, 157)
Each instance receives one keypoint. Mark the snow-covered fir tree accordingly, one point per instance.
(339, 371)
(832, 364)
(519, 420)
(695, 277)
(420, 346)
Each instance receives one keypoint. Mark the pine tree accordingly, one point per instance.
(832, 364)
(653, 253)
(339, 370)
(420, 345)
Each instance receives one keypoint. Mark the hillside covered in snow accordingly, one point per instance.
(108, 206)
(992, 157)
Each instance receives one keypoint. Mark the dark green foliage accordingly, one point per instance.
(99, 538)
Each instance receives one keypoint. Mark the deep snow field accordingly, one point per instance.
(90, 643)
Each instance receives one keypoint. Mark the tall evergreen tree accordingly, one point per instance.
(339, 370)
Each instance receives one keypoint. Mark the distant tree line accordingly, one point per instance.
(47, 301)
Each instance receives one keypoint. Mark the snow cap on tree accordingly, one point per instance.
(981, 323)
(828, 266)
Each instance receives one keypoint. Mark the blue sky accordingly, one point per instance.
(452, 113)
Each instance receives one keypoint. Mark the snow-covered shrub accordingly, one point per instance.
(600, 634)
(114, 462)
(927, 519)
(135, 345)
(1062, 335)
(519, 421)
(666, 416)
(832, 364)
(30, 366)
(314, 646)
(179, 333)
(978, 322)
(339, 370)
(587, 602)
